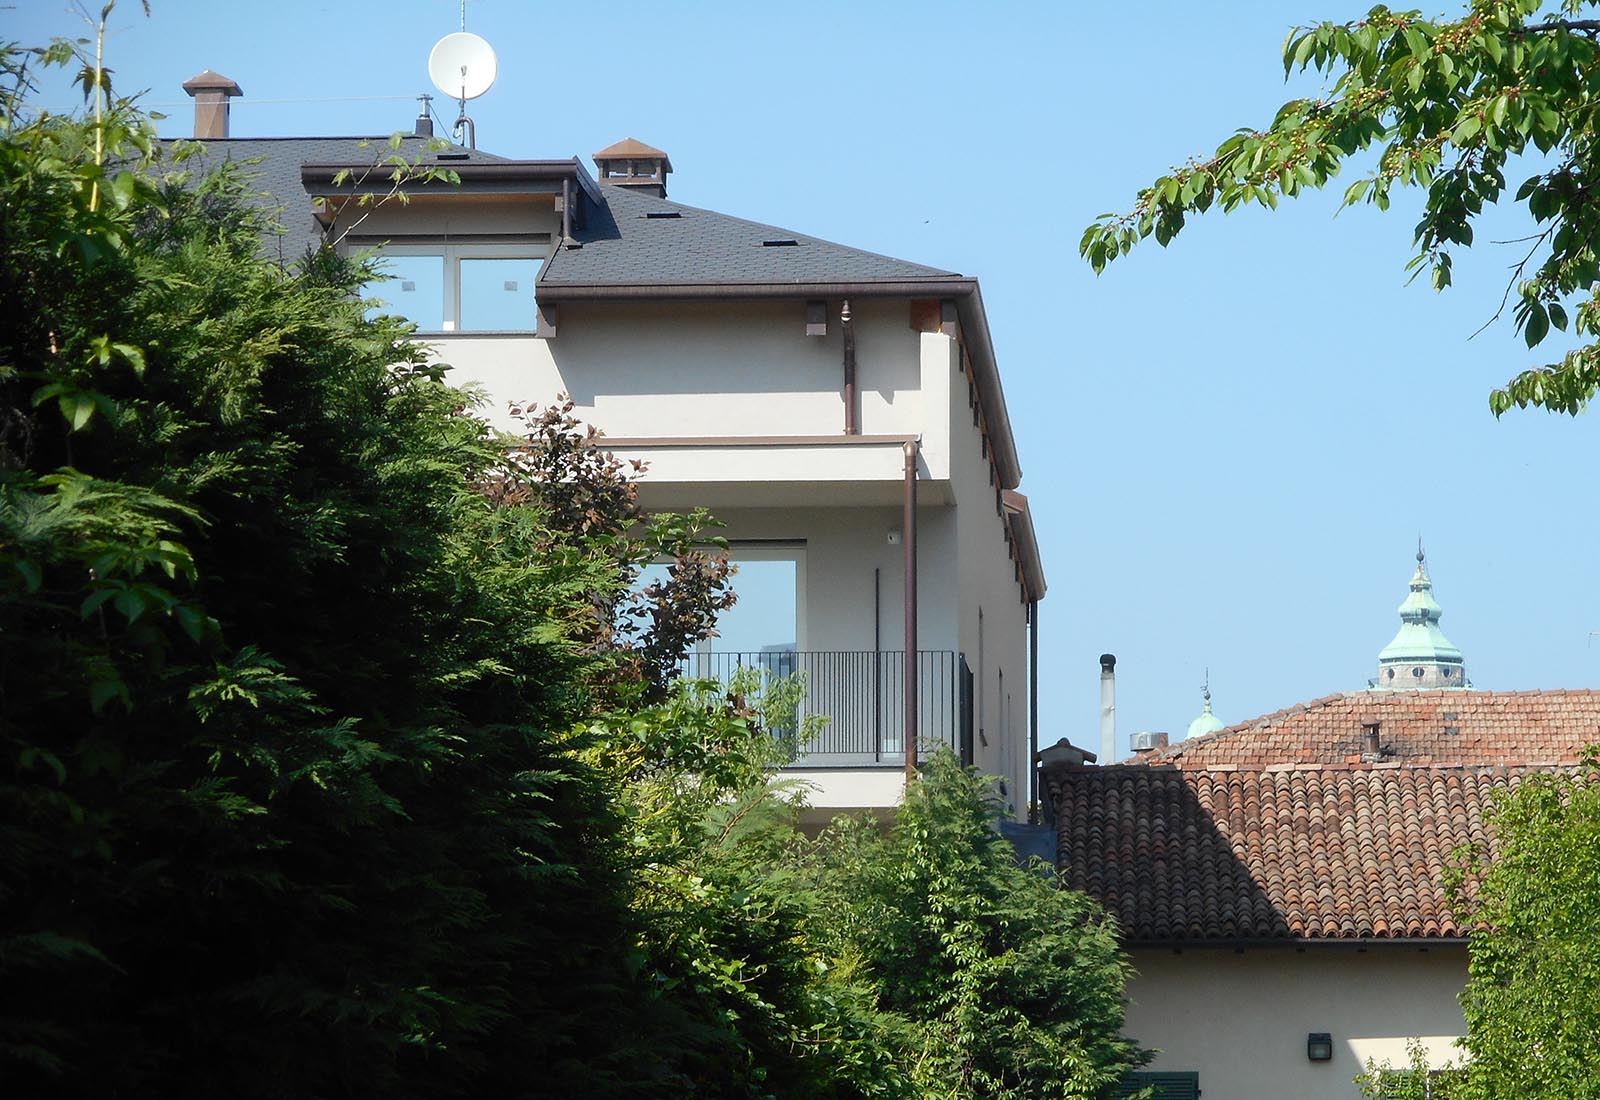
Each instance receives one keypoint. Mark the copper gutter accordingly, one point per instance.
(850, 425)
(910, 540)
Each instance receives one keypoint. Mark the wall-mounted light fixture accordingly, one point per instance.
(1319, 1046)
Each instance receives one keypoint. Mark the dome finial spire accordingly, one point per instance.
(1206, 722)
(1421, 557)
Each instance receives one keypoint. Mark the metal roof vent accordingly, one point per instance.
(632, 163)
(1149, 742)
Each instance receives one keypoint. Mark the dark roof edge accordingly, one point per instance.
(1299, 941)
(962, 288)
(506, 171)
(1019, 516)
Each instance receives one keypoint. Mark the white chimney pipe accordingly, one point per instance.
(1108, 708)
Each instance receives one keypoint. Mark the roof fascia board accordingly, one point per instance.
(932, 287)
(1020, 517)
(535, 176)
(963, 289)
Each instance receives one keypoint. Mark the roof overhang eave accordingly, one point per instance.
(537, 176)
(962, 289)
(1020, 517)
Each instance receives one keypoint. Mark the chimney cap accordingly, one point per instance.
(632, 149)
(1148, 741)
(1107, 662)
(209, 81)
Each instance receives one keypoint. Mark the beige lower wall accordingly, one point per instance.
(1241, 1019)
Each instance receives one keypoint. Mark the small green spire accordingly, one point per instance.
(1207, 722)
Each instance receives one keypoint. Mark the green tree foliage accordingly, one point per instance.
(1448, 106)
(1533, 988)
(1010, 986)
(749, 993)
(287, 807)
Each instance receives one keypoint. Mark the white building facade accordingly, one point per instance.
(841, 412)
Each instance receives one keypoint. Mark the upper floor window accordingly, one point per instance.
(459, 287)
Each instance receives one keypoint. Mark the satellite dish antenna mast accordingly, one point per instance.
(463, 66)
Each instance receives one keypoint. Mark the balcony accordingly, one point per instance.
(861, 693)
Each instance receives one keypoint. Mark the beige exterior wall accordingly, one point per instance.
(993, 618)
(1241, 1019)
(704, 369)
(512, 216)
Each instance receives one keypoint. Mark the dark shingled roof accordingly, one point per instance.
(623, 246)
(272, 166)
(1278, 829)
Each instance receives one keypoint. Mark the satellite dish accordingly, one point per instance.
(462, 65)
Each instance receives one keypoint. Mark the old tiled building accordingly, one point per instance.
(1280, 882)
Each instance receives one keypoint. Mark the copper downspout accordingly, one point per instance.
(1033, 712)
(850, 425)
(910, 524)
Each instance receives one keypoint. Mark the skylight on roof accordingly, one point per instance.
(786, 242)
(654, 214)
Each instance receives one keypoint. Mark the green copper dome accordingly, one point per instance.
(1207, 722)
(1420, 656)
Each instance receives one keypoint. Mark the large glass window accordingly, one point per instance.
(459, 287)
(497, 294)
(766, 616)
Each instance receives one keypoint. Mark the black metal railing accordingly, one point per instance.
(861, 694)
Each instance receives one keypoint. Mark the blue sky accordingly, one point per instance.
(1230, 445)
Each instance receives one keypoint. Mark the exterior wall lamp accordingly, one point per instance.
(1319, 1046)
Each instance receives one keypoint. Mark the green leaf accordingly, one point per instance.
(32, 575)
(1538, 325)
(77, 408)
(95, 600)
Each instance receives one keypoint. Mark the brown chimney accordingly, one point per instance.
(211, 93)
(632, 163)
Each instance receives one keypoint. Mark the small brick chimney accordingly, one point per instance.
(211, 92)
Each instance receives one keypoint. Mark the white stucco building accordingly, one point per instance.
(840, 411)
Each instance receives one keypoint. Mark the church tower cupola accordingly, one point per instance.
(1420, 655)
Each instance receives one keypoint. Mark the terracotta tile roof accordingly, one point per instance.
(1491, 728)
(1279, 829)
(1302, 852)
